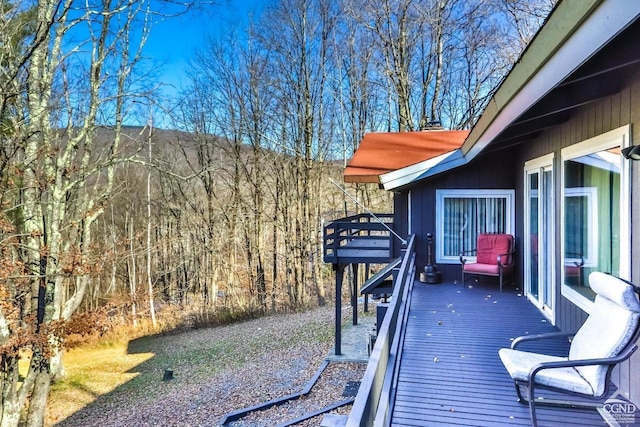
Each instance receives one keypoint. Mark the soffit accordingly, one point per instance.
(587, 62)
(594, 57)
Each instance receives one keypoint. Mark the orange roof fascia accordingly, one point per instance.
(363, 175)
(383, 152)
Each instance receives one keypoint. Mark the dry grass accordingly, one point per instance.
(90, 373)
(217, 370)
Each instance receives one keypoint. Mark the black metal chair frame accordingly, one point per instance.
(531, 385)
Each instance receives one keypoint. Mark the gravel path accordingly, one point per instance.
(328, 390)
(219, 370)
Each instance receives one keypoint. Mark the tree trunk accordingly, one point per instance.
(38, 401)
(133, 277)
(152, 308)
(11, 404)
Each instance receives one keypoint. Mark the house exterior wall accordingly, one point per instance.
(400, 221)
(504, 170)
(589, 121)
(490, 171)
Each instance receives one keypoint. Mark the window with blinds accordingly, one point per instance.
(463, 214)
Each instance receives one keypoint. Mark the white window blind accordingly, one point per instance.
(463, 214)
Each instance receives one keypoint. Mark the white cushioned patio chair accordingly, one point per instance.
(606, 338)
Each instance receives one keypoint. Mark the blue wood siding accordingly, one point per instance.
(587, 122)
(504, 169)
(488, 171)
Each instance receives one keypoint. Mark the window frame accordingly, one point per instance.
(546, 298)
(442, 194)
(591, 193)
(619, 137)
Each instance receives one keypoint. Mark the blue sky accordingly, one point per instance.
(173, 40)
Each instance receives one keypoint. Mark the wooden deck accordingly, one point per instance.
(450, 372)
(364, 250)
(361, 239)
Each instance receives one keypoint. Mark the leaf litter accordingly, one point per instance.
(223, 369)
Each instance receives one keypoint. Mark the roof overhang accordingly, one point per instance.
(551, 77)
(382, 152)
(431, 166)
(573, 33)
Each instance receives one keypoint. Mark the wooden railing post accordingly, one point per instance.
(354, 294)
(339, 268)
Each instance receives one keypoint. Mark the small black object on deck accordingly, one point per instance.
(431, 273)
(168, 375)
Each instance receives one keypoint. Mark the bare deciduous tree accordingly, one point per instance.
(58, 91)
(233, 219)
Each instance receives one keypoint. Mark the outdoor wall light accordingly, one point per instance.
(632, 152)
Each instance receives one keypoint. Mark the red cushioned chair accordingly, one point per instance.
(573, 269)
(494, 257)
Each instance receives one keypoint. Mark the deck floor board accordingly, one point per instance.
(450, 372)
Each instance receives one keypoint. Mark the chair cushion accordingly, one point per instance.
(492, 245)
(519, 365)
(608, 329)
(481, 268)
(572, 271)
(614, 289)
(485, 269)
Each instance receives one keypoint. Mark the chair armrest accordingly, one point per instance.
(624, 355)
(576, 255)
(507, 256)
(538, 337)
(463, 260)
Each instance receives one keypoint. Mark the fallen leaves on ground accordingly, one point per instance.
(216, 371)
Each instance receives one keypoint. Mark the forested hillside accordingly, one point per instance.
(203, 224)
(101, 212)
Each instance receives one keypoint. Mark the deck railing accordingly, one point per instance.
(377, 389)
(363, 228)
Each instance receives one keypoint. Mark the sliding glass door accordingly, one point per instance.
(539, 223)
